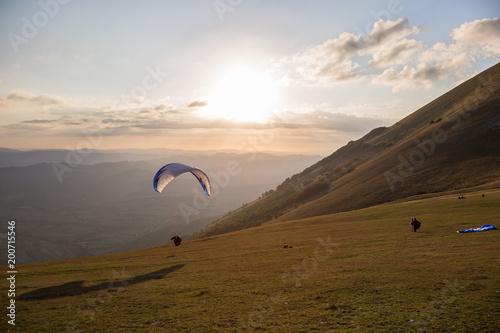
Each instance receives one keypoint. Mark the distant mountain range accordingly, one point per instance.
(12, 157)
(451, 143)
(107, 203)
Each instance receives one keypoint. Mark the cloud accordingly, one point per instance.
(479, 39)
(423, 75)
(483, 31)
(137, 100)
(395, 57)
(26, 128)
(331, 121)
(328, 62)
(388, 32)
(115, 121)
(23, 96)
(149, 121)
(398, 52)
(46, 100)
(197, 104)
(40, 121)
(161, 107)
(19, 96)
(471, 41)
(338, 59)
(389, 44)
(183, 126)
(482, 35)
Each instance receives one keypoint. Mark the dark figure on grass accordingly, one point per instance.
(177, 240)
(414, 224)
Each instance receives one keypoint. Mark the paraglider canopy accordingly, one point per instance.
(167, 173)
(484, 227)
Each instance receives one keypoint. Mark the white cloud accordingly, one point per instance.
(406, 63)
(423, 75)
(399, 52)
(328, 62)
(479, 39)
(23, 96)
(338, 59)
(389, 32)
(482, 36)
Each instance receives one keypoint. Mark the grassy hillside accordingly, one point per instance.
(450, 143)
(354, 271)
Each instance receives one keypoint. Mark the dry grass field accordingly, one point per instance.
(358, 271)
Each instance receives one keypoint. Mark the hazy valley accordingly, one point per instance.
(111, 206)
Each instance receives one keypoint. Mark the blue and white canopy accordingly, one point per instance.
(484, 227)
(167, 173)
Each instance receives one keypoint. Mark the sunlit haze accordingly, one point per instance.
(214, 75)
(242, 94)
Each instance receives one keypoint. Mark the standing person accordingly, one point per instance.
(414, 224)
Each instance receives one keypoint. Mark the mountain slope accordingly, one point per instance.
(450, 143)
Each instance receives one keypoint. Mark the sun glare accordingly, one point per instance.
(243, 95)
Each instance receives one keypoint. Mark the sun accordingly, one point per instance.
(242, 94)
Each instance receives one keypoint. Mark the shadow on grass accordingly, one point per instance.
(75, 288)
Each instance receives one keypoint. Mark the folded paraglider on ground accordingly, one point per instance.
(484, 227)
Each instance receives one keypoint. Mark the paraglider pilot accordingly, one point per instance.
(414, 224)
(177, 240)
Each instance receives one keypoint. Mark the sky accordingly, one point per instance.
(246, 75)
